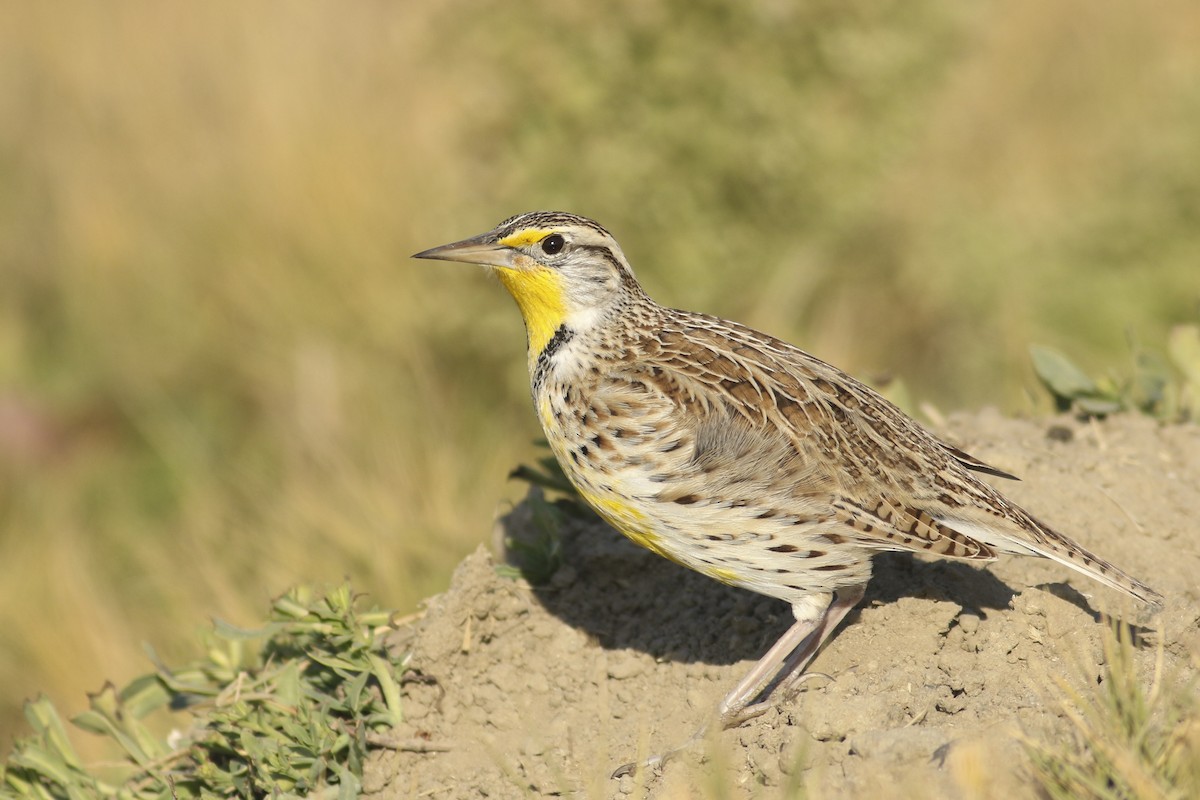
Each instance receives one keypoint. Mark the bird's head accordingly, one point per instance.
(563, 270)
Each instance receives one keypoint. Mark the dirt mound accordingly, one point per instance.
(543, 691)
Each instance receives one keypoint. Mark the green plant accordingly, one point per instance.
(289, 717)
(546, 473)
(1166, 388)
(538, 555)
(538, 552)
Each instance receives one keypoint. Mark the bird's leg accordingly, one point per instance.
(781, 667)
(767, 671)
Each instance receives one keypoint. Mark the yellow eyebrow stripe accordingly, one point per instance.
(526, 236)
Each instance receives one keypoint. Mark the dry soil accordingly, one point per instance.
(530, 691)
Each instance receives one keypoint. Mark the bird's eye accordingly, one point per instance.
(553, 244)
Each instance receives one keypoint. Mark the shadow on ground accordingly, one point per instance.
(626, 597)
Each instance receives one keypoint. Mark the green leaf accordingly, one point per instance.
(348, 784)
(92, 722)
(49, 765)
(46, 723)
(144, 696)
(1060, 374)
(230, 632)
(538, 478)
(337, 662)
(381, 668)
(1097, 406)
(289, 607)
(354, 689)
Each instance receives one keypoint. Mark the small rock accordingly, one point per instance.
(952, 704)
(537, 683)
(1060, 433)
(625, 666)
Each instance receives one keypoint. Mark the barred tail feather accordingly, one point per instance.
(1046, 542)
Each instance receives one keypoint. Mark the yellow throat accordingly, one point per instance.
(540, 296)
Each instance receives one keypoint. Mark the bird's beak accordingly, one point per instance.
(482, 249)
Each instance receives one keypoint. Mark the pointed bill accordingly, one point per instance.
(482, 249)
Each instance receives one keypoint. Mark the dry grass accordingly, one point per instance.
(1127, 741)
(220, 375)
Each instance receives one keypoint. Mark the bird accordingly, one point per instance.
(736, 454)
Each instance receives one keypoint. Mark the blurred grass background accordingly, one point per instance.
(220, 374)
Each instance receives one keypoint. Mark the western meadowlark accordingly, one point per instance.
(736, 454)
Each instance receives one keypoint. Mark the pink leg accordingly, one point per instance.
(781, 668)
(783, 665)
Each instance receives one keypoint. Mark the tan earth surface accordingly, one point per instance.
(543, 691)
